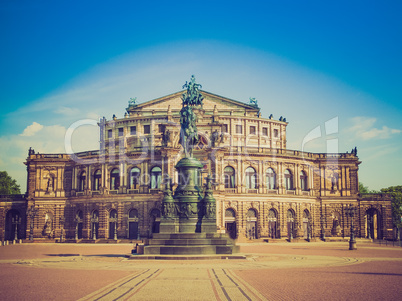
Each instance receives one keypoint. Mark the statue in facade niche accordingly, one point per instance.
(49, 187)
(222, 137)
(166, 137)
(214, 138)
(334, 181)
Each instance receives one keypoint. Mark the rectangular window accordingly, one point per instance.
(121, 132)
(133, 130)
(224, 128)
(265, 131)
(276, 133)
(147, 129)
(109, 134)
(239, 129)
(252, 130)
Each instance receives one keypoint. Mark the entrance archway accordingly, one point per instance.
(251, 226)
(13, 225)
(291, 224)
(133, 232)
(155, 220)
(230, 223)
(373, 224)
(272, 224)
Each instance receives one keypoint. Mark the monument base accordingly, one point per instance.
(189, 244)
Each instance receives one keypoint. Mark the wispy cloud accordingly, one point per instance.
(32, 129)
(364, 128)
(67, 111)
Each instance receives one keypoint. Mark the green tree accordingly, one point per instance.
(365, 189)
(396, 195)
(8, 185)
(362, 188)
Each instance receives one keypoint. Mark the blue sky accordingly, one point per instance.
(310, 61)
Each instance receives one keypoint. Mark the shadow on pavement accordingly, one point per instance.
(62, 255)
(106, 255)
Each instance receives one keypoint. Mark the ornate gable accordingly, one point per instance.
(175, 102)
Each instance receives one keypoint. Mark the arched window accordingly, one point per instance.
(271, 178)
(135, 173)
(79, 216)
(156, 177)
(133, 213)
(114, 179)
(113, 214)
(303, 180)
(251, 178)
(230, 214)
(229, 175)
(82, 181)
(97, 180)
(288, 180)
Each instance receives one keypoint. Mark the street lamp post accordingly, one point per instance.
(62, 221)
(322, 228)
(77, 220)
(31, 212)
(114, 221)
(351, 211)
(16, 221)
(94, 221)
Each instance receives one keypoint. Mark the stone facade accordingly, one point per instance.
(262, 189)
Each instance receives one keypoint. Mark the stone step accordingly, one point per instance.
(189, 242)
(188, 250)
(189, 235)
(185, 257)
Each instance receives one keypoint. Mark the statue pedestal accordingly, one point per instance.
(188, 223)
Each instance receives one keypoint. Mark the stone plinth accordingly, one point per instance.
(190, 244)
